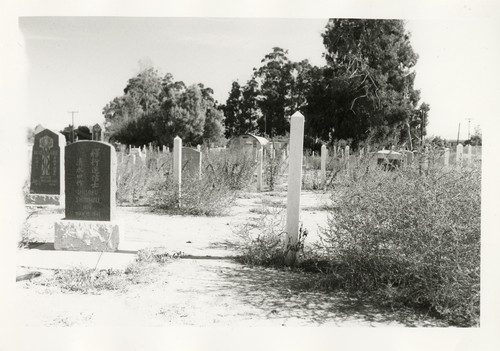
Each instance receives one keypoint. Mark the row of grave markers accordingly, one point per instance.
(84, 174)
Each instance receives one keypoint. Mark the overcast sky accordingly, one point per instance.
(81, 63)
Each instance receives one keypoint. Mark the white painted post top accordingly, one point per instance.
(298, 115)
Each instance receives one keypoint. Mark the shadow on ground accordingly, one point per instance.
(279, 294)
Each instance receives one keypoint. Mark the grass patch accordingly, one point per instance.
(143, 270)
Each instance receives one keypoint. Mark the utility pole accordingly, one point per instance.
(458, 136)
(468, 134)
(73, 125)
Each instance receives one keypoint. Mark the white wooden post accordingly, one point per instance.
(259, 169)
(446, 156)
(133, 159)
(198, 147)
(294, 184)
(178, 165)
(324, 155)
(460, 152)
(469, 154)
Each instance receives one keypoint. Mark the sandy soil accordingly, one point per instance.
(204, 292)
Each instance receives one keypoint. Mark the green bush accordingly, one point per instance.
(410, 237)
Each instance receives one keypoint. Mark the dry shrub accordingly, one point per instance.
(263, 241)
(214, 193)
(135, 181)
(410, 237)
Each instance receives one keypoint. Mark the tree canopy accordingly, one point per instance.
(364, 91)
(154, 109)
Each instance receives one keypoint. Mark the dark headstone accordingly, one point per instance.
(46, 163)
(97, 133)
(90, 181)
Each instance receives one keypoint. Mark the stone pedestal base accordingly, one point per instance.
(86, 235)
(44, 199)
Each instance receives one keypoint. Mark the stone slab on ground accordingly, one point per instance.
(86, 235)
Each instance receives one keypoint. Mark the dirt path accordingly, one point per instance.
(204, 292)
(207, 292)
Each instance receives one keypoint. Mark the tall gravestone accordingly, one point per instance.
(191, 163)
(90, 176)
(47, 169)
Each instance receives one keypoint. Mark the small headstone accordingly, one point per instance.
(47, 169)
(191, 162)
(89, 224)
(97, 132)
(446, 156)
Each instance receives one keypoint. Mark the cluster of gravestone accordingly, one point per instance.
(81, 177)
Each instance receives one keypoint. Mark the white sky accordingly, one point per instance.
(81, 63)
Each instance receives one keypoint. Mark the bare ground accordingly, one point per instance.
(204, 292)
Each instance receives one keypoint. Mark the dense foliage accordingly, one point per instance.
(156, 110)
(364, 91)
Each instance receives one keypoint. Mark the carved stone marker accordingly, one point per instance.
(97, 132)
(90, 178)
(191, 163)
(47, 169)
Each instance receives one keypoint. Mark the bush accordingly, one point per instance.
(235, 168)
(274, 169)
(213, 194)
(410, 238)
(264, 242)
(135, 181)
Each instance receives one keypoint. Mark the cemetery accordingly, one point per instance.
(182, 205)
(312, 196)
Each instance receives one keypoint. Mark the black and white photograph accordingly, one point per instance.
(276, 174)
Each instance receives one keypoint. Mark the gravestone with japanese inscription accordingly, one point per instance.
(191, 163)
(89, 224)
(47, 169)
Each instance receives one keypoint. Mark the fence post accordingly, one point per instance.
(324, 155)
(294, 185)
(447, 156)
(259, 169)
(178, 166)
